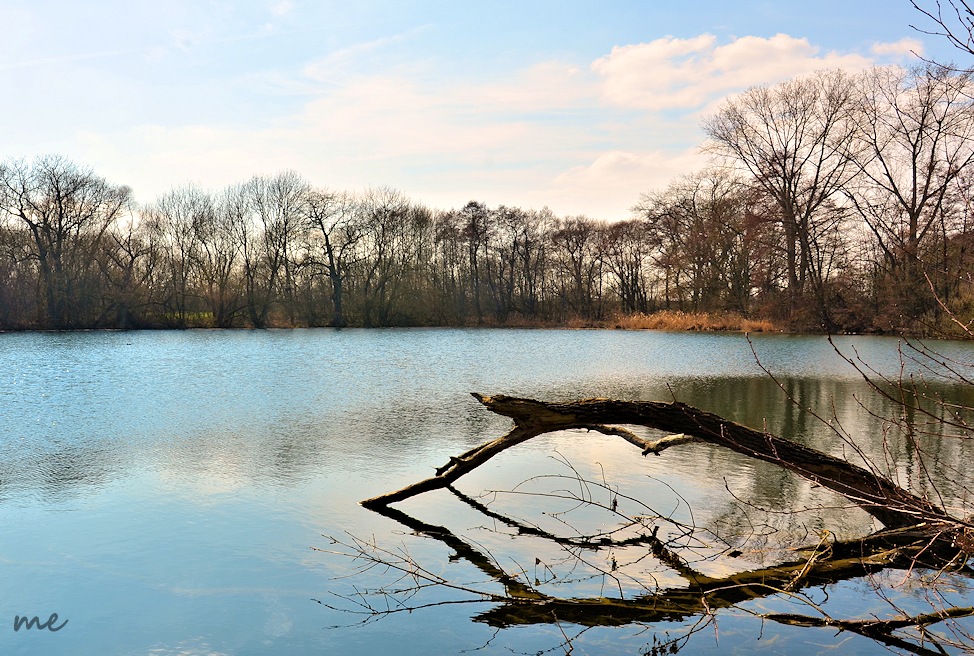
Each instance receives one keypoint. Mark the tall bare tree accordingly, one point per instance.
(267, 215)
(383, 216)
(627, 249)
(477, 226)
(704, 239)
(174, 221)
(130, 264)
(792, 139)
(67, 210)
(577, 266)
(914, 139)
(333, 235)
(279, 205)
(219, 264)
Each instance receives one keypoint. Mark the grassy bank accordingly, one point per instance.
(663, 320)
(690, 321)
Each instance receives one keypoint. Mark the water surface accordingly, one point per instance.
(162, 491)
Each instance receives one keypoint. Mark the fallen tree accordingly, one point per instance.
(887, 502)
(917, 533)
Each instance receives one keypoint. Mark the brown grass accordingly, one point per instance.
(705, 321)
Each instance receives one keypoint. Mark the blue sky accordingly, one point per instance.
(578, 106)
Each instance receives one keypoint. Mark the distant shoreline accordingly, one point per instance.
(663, 320)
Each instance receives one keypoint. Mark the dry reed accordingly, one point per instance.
(704, 321)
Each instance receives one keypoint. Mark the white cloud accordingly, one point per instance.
(903, 48)
(674, 73)
(578, 139)
(615, 179)
(389, 117)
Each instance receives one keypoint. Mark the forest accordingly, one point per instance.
(834, 202)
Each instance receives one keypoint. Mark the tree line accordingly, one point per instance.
(834, 201)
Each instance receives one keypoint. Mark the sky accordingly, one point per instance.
(576, 106)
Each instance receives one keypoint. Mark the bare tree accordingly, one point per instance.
(477, 227)
(219, 264)
(450, 268)
(534, 260)
(18, 273)
(704, 240)
(382, 269)
(913, 140)
(129, 265)
(626, 250)
(577, 264)
(334, 235)
(67, 211)
(174, 222)
(278, 204)
(792, 139)
(267, 217)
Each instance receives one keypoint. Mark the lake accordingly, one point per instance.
(178, 492)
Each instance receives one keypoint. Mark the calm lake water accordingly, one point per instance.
(165, 492)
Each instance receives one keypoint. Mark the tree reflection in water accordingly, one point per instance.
(611, 560)
(630, 564)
